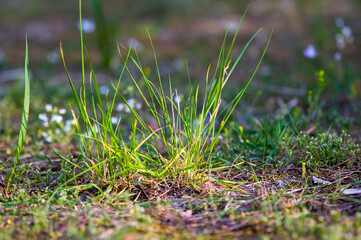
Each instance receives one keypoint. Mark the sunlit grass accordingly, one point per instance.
(301, 182)
(24, 120)
(177, 147)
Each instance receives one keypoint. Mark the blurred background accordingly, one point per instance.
(309, 36)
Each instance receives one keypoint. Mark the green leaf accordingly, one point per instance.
(24, 118)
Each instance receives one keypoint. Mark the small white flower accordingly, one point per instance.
(103, 89)
(135, 44)
(121, 107)
(43, 117)
(310, 51)
(177, 99)
(339, 22)
(346, 31)
(340, 41)
(114, 120)
(57, 131)
(56, 118)
(69, 124)
(88, 25)
(46, 137)
(132, 102)
(67, 128)
(48, 107)
(53, 57)
(231, 25)
(337, 56)
(62, 111)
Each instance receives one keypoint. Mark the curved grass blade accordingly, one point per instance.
(24, 119)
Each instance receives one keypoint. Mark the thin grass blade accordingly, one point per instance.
(24, 118)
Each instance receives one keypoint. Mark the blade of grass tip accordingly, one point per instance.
(215, 79)
(24, 118)
(240, 56)
(75, 94)
(95, 79)
(191, 116)
(225, 60)
(150, 86)
(137, 86)
(205, 100)
(235, 35)
(161, 99)
(152, 108)
(236, 100)
(172, 111)
(156, 61)
(110, 108)
(220, 57)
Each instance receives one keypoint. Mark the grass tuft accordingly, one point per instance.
(177, 147)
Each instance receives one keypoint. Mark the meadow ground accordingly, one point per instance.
(172, 150)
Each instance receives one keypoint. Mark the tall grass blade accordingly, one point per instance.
(24, 118)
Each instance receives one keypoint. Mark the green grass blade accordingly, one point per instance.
(75, 94)
(239, 96)
(95, 80)
(24, 119)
